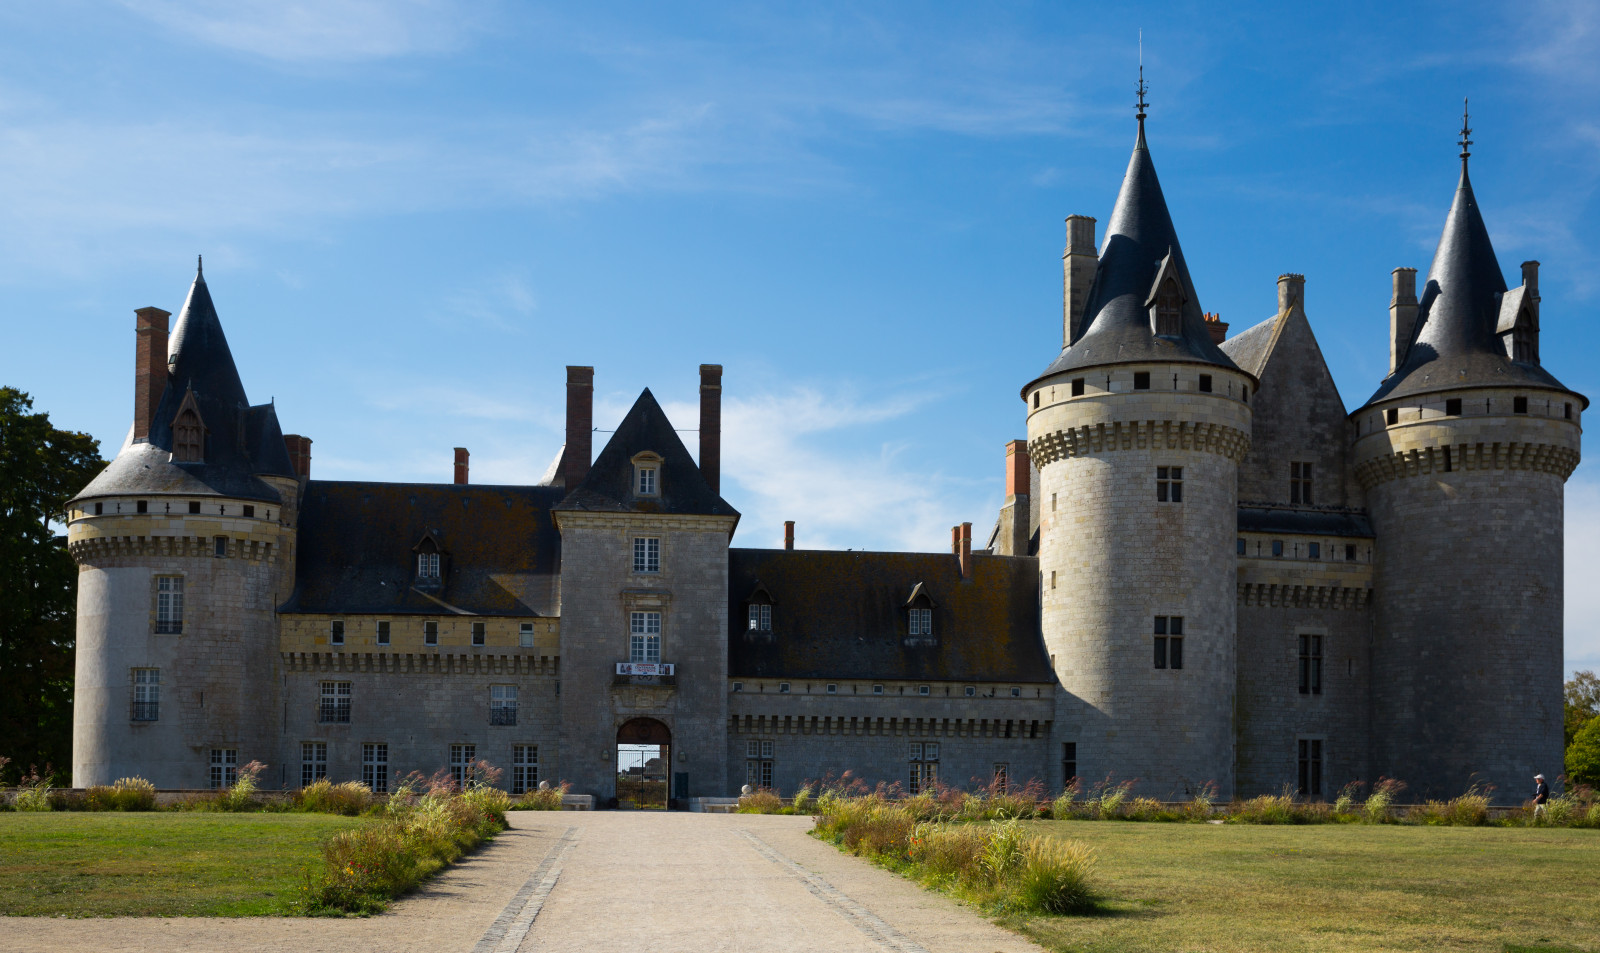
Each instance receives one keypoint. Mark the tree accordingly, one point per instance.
(40, 469)
(1582, 702)
(1583, 755)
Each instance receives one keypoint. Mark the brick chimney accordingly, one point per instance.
(711, 426)
(1078, 264)
(299, 454)
(461, 466)
(955, 540)
(149, 367)
(580, 426)
(788, 534)
(966, 550)
(1014, 518)
(1217, 327)
(1402, 314)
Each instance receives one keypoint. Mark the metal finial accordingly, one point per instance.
(1466, 131)
(200, 266)
(1141, 105)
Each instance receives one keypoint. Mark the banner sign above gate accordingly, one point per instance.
(646, 668)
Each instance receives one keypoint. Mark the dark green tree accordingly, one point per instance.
(1582, 702)
(40, 469)
(1583, 755)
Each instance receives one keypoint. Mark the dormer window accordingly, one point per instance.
(921, 621)
(1169, 309)
(759, 607)
(919, 617)
(428, 565)
(430, 560)
(647, 474)
(188, 433)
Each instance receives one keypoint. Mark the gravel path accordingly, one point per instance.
(607, 881)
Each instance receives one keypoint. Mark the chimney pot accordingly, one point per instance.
(580, 426)
(788, 534)
(711, 425)
(149, 367)
(1217, 327)
(461, 466)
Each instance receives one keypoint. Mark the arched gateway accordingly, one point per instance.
(644, 757)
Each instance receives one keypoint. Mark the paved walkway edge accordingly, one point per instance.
(507, 931)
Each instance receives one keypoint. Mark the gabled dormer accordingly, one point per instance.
(188, 432)
(646, 475)
(431, 561)
(1166, 300)
(919, 608)
(1518, 324)
(759, 606)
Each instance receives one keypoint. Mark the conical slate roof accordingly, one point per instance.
(1116, 322)
(608, 487)
(241, 441)
(1455, 344)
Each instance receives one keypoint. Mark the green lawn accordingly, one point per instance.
(216, 865)
(1333, 887)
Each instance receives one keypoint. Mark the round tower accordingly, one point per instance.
(1464, 452)
(1137, 430)
(185, 549)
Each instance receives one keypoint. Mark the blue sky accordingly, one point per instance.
(414, 214)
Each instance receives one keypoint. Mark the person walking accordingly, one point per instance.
(1541, 794)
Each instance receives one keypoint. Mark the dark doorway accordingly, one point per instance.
(644, 760)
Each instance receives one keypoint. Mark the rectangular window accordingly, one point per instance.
(1310, 767)
(1519, 405)
(1141, 380)
(169, 604)
(313, 761)
(219, 547)
(1002, 777)
(1311, 665)
(647, 554)
(375, 767)
(1238, 546)
(524, 768)
(766, 774)
(502, 704)
(971, 690)
(525, 635)
(1169, 484)
(1169, 641)
(922, 689)
(1077, 387)
(463, 764)
(1314, 550)
(1069, 761)
(224, 767)
(428, 565)
(1205, 383)
(644, 636)
(1350, 552)
(738, 686)
(430, 633)
(877, 689)
(1277, 547)
(143, 506)
(833, 689)
(336, 632)
(194, 506)
(1452, 407)
(479, 633)
(914, 778)
(249, 512)
(921, 621)
(383, 633)
(1300, 483)
(647, 481)
(783, 688)
(335, 706)
(760, 617)
(1392, 416)
(766, 749)
(146, 694)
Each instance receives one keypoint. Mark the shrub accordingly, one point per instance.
(125, 794)
(1056, 877)
(803, 801)
(1065, 804)
(241, 795)
(544, 798)
(1583, 754)
(1344, 804)
(324, 797)
(33, 791)
(1468, 810)
(1381, 799)
(1200, 806)
(762, 801)
(1265, 809)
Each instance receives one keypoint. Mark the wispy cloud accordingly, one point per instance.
(340, 30)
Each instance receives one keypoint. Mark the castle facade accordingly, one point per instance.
(1206, 570)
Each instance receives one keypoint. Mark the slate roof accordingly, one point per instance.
(241, 441)
(500, 549)
(1249, 348)
(1454, 345)
(1116, 321)
(608, 487)
(842, 615)
(1275, 519)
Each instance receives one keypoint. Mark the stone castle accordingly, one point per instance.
(1205, 571)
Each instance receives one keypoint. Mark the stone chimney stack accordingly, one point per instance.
(1078, 264)
(580, 426)
(149, 367)
(711, 425)
(1291, 293)
(788, 534)
(966, 550)
(299, 454)
(1217, 327)
(461, 466)
(1402, 315)
(1530, 281)
(1014, 533)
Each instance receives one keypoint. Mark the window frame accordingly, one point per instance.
(428, 565)
(1312, 662)
(334, 701)
(524, 768)
(380, 631)
(480, 633)
(375, 766)
(313, 762)
(647, 554)
(224, 768)
(463, 763)
(1169, 484)
(919, 621)
(430, 632)
(146, 694)
(335, 631)
(503, 702)
(169, 603)
(1311, 764)
(1300, 491)
(525, 633)
(644, 635)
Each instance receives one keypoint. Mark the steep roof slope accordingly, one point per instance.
(843, 615)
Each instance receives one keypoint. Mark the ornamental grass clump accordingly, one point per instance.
(124, 794)
(761, 801)
(543, 798)
(1467, 810)
(322, 796)
(1376, 809)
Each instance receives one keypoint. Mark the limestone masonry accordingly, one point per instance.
(1205, 572)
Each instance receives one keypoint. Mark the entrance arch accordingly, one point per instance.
(644, 760)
